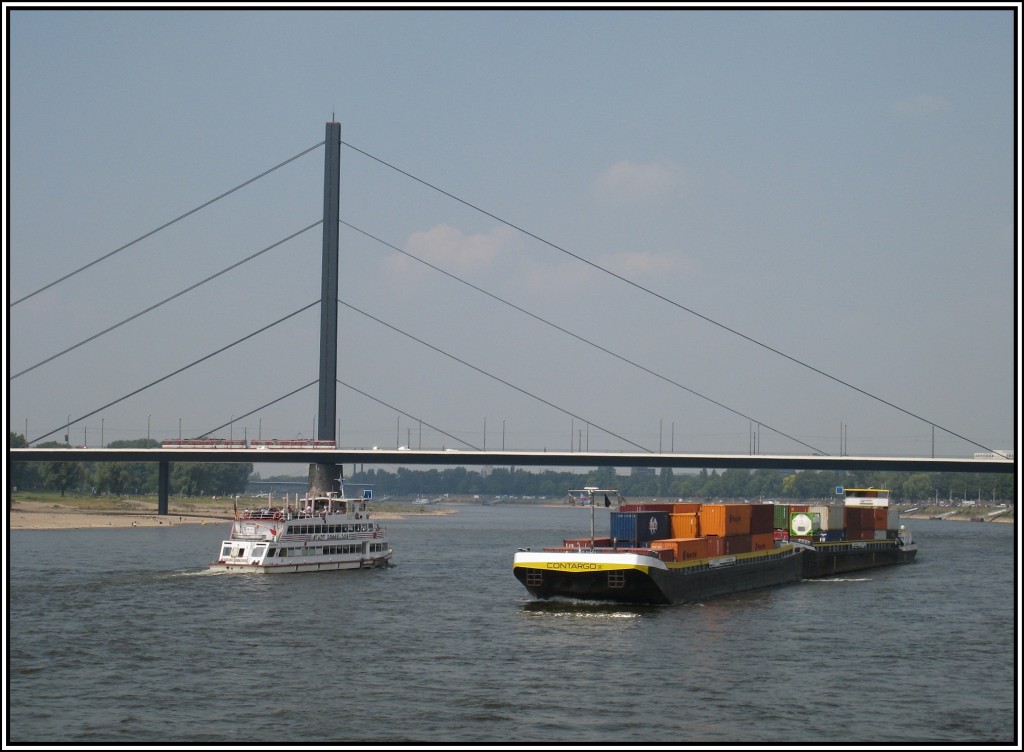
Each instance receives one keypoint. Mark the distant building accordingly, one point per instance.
(999, 454)
(643, 472)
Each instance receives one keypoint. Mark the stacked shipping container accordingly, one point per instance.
(682, 532)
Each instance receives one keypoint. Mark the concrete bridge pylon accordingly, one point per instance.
(322, 476)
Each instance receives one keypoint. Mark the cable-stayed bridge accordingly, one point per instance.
(520, 459)
(328, 382)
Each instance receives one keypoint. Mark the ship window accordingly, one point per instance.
(271, 552)
(226, 551)
(283, 552)
(344, 528)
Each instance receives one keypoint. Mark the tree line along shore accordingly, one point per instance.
(49, 510)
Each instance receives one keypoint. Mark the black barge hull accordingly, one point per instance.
(828, 559)
(658, 585)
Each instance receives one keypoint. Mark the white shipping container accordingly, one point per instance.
(832, 518)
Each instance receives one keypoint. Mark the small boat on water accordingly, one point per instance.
(321, 532)
(656, 555)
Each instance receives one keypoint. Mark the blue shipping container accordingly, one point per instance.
(634, 528)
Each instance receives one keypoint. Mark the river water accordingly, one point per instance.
(121, 636)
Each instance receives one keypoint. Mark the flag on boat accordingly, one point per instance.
(607, 501)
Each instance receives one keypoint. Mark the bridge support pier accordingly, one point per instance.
(163, 484)
(323, 477)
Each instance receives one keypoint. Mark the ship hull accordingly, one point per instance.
(638, 579)
(309, 566)
(828, 559)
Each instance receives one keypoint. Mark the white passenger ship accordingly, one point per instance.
(326, 531)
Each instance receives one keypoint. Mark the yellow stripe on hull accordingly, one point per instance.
(579, 566)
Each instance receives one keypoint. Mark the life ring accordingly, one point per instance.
(277, 515)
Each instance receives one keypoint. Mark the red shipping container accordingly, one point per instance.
(762, 518)
(881, 518)
(737, 544)
(860, 518)
(692, 548)
(664, 552)
(646, 508)
(728, 545)
(762, 541)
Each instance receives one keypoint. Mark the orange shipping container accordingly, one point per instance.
(762, 541)
(881, 517)
(725, 519)
(684, 525)
(686, 508)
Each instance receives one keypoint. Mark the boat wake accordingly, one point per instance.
(197, 573)
(567, 607)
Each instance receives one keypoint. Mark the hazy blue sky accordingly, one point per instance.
(838, 185)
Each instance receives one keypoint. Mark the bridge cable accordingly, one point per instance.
(582, 339)
(492, 376)
(175, 373)
(166, 300)
(413, 417)
(272, 402)
(666, 299)
(349, 386)
(165, 225)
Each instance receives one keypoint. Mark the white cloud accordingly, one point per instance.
(628, 181)
(920, 106)
(639, 264)
(452, 250)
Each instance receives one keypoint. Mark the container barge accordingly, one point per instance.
(861, 534)
(656, 554)
(681, 553)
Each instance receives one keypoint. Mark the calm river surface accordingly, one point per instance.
(121, 636)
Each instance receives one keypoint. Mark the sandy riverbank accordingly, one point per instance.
(31, 515)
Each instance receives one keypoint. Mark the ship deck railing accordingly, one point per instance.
(274, 515)
(852, 545)
(695, 565)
